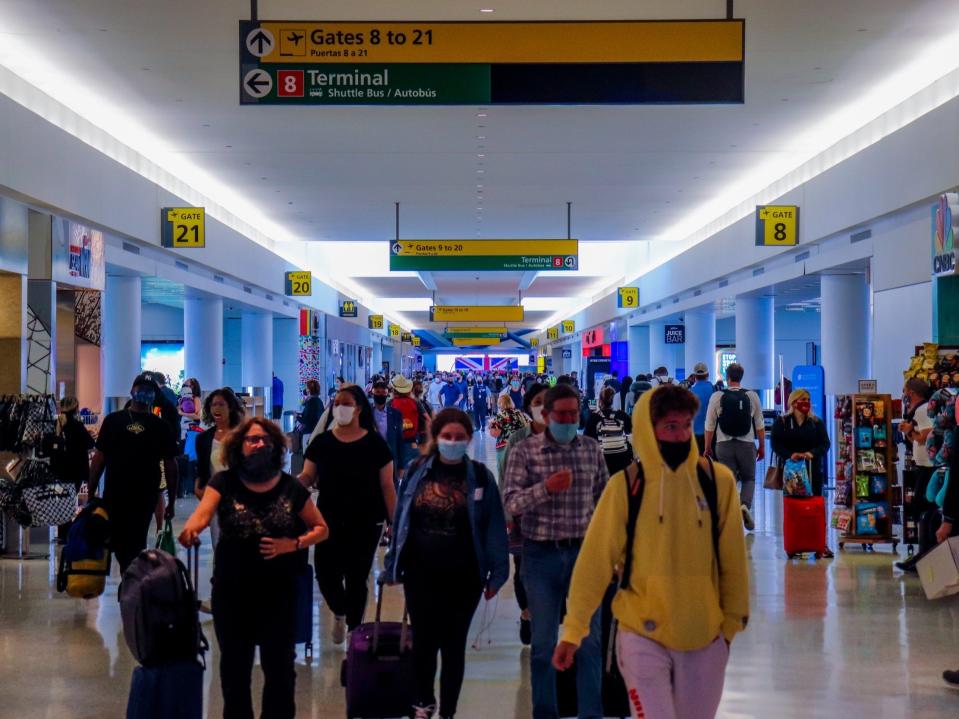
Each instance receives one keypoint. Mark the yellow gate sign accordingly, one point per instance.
(183, 227)
(375, 322)
(627, 297)
(416, 341)
(534, 342)
(395, 331)
(777, 225)
(299, 284)
(552, 333)
(569, 327)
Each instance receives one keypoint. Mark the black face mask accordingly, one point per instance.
(258, 467)
(675, 453)
(379, 399)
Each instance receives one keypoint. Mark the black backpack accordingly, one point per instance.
(159, 608)
(636, 487)
(735, 413)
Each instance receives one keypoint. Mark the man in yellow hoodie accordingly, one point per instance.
(687, 594)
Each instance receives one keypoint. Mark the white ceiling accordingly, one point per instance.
(334, 173)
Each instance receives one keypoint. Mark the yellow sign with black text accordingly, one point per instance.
(395, 331)
(416, 341)
(375, 322)
(474, 342)
(476, 330)
(569, 327)
(630, 41)
(183, 227)
(534, 342)
(777, 225)
(552, 333)
(627, 297)
(299, 284)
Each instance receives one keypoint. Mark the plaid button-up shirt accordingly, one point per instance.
(550, 517)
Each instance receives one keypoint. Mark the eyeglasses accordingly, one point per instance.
(252, 440)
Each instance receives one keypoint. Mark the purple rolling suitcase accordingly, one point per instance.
(378, 669)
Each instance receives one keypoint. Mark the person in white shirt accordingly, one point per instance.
(735, 418)
(916, 428)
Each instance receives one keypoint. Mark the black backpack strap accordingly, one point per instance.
(707, 482)
(635, 488)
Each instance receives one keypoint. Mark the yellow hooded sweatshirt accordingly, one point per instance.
(677, 596)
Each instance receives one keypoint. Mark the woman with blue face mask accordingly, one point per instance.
(448, 548)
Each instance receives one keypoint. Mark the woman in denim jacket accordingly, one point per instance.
(448, 548)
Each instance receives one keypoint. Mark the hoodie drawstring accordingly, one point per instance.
(662, 490)
(695, 490)
(692, 488)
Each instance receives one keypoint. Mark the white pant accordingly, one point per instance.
(666, 684)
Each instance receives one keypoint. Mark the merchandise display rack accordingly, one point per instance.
(868, 458)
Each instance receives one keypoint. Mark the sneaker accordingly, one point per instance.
(907, 566)
(748, 522)
(525, 632)
(206, 607)
(951, 678)
(339, 630)
(427, 712)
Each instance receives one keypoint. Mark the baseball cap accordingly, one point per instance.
(146, 378)
(701, 369)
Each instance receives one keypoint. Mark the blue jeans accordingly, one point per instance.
(546, 573)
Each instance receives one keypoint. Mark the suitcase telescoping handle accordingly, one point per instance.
(404, 630)
(193, 568)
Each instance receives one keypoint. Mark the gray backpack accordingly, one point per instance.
(158, 605)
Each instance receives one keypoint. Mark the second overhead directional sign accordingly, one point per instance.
(503, 255)
(495, 313)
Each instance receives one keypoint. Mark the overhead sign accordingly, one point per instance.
(348, 308)
(375, 322)
(567, 354)
(406, 337)
(627, 297)
(474, 341)
(552, 333)
(395, 331)
(777, 225)
(945, 228)
(675, 334)
(483, 63)
(299, 284)
(416, 341)
(473, 255)
(568, 327)
(476, 330)
(183, 227)
(534, 341)
(494, 313)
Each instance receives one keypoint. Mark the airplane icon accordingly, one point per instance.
(292, 42)
(296, 37)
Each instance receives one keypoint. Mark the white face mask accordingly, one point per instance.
(343, 414)
(538, 415)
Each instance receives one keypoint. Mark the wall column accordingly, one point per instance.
(256, 350)
(121, 335)
(755, 341)
(701, 339)
(638, 336)
(660, 353)
(203, 341)
(846, 317)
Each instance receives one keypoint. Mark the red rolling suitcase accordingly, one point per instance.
(804, 525)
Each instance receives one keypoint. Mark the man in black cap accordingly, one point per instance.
(131, 446)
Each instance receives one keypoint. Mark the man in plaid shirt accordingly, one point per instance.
(553, 481)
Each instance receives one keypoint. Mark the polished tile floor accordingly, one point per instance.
(845, 638)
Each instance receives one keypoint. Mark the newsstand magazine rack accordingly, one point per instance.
(868, 458)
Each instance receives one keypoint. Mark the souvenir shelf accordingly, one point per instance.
(866, 484)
